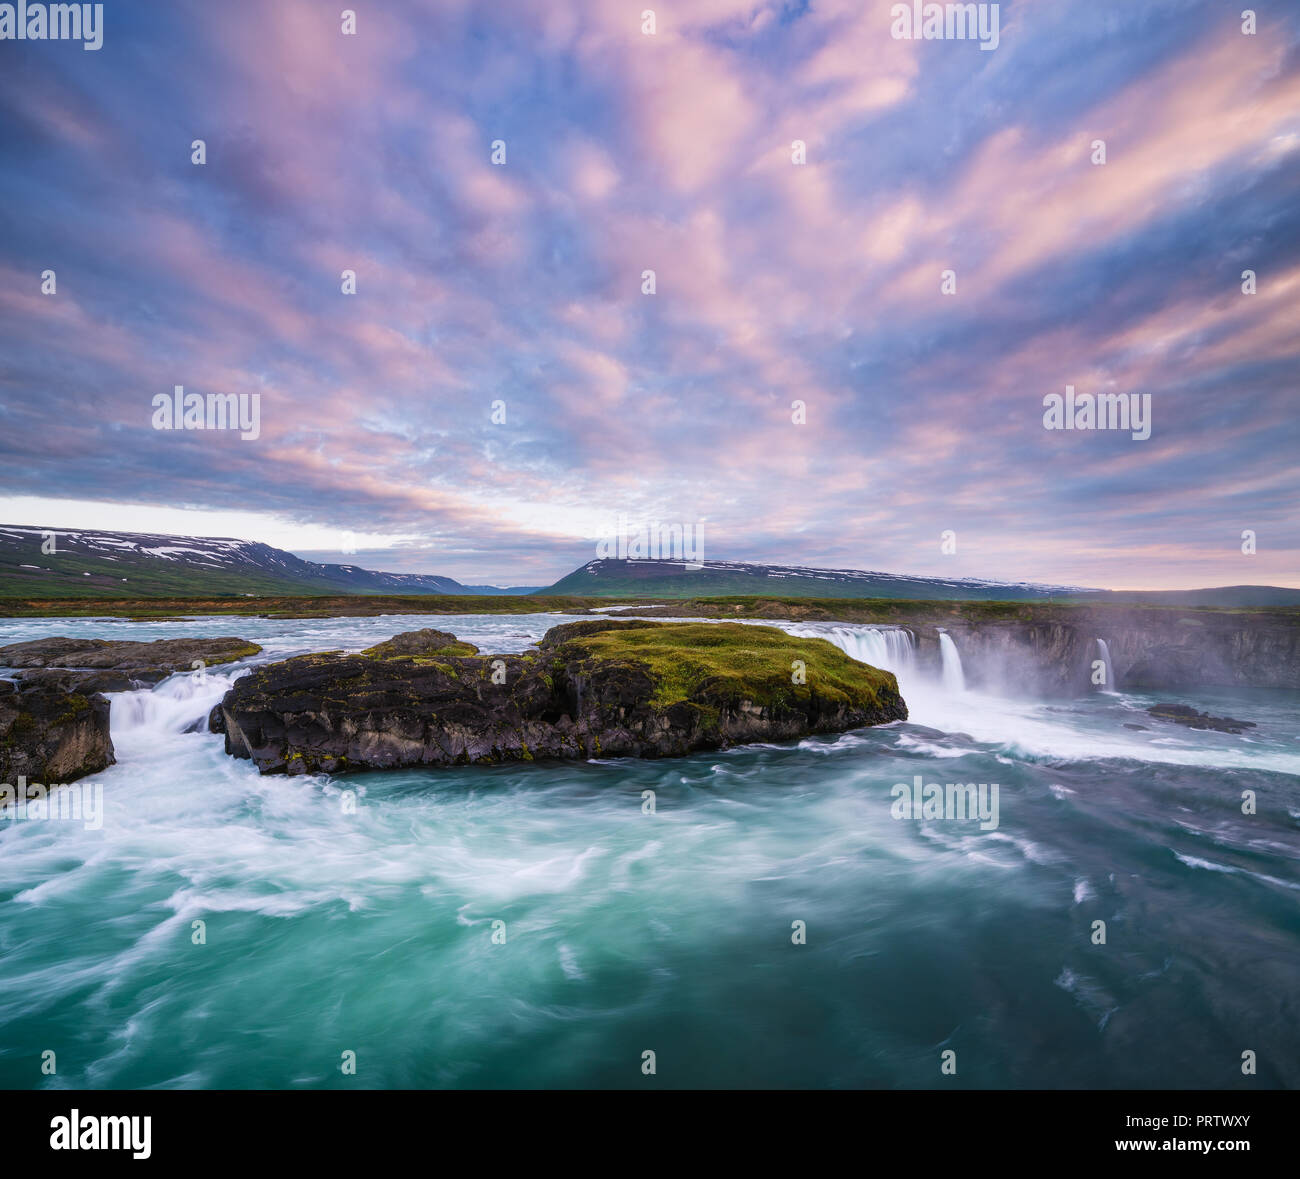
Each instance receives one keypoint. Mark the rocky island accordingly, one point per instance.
(1183, 714)
(598, 688)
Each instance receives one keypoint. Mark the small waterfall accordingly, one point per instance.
(954, 680)
(148, 718)
(889, 649)
(1107, 685)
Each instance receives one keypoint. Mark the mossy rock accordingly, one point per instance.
(595, 688)
(50, 736)
(415, 644)
(726, 663)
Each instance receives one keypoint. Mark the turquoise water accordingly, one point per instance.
(330, 931)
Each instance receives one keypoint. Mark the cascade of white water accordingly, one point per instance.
(1108, 684)
(177, 705)
(954, 680)
(902, 651)
(890, 649)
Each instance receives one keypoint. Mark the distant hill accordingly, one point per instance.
(1240, 597)
(93, 564)
(121, 565)
(616, 578)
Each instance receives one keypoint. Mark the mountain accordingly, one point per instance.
(96, 564)
(621, 578)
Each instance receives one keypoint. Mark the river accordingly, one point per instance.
(769, 922)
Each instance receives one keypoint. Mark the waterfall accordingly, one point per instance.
(891, 648)
(954, 680)
(888, 649)
(1107, 685)
(147, 718)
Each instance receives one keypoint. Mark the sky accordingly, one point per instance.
(799, 387)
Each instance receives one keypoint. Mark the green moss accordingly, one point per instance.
(711, 664)
(76, 706)
(312, 762)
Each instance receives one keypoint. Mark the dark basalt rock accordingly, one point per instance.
(103, 665)
(557, 636)
(421, 642)
(1183, 714)
(915, 730)
(589, 690)
(51, 736)
(83, 679)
